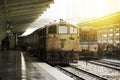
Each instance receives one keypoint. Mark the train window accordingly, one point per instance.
(63, 29)
(52, 29)
(73, 30)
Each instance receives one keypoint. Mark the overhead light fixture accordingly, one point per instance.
(9, 28)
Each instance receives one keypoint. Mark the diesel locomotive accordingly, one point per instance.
(56, 43)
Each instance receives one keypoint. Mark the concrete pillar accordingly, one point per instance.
(13, 41)
(16, 40)
(2, 24)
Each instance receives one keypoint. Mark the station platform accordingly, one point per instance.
(18, 65)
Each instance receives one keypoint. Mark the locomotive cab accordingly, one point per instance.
(62, 43)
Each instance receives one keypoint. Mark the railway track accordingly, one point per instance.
(110, 63)
(109, 60)
(114, 66)
(84, 75)
(75, 77)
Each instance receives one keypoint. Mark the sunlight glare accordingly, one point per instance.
(27, 32)
(67, 9)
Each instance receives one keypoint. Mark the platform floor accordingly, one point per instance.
(17, 65)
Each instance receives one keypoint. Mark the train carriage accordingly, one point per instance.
(88, 43)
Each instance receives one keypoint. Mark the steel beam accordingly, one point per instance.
(25, 21)
(27, 6)
(17, 3)
(20, 28)
(26, 13)
(23, 18)
(26, 10)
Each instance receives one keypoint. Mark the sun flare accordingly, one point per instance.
(67, 9)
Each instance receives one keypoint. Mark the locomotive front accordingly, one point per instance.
(62, 41)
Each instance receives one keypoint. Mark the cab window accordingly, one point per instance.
(52, 29)
(62, 30)
(73, 30)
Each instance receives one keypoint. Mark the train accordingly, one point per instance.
(91, 48)
(56, 43)
(88, 43)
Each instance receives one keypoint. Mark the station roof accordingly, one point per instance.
(103, 22)
(21, 13)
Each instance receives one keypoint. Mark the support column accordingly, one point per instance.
(16, 40)
(113, 37)
(119, 34)
(107, 36)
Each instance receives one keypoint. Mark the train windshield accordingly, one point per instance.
(73, 30)
(52, 29)
(63, 29)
